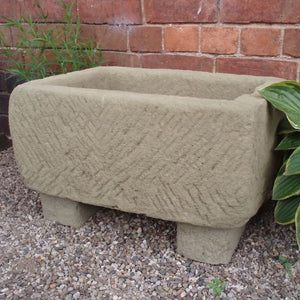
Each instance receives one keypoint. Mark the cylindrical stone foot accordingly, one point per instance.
(65, 211)
(208, 245)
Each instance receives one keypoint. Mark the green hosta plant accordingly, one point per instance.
(285, 96)
(46, 49)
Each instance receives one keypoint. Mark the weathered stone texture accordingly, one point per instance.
(211, 245)
(184, 159)
(185, 146)
(66, 211)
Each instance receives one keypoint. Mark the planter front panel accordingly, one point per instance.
(206, 162)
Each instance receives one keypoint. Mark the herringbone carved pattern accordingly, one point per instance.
(174, 162)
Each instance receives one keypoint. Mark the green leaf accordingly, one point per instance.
(297, 222)
(285, 96)
(285, 210)
(281, 171)
(286, 156)
(286, 187)
(291, 141)
(285, 127)
(293, 164)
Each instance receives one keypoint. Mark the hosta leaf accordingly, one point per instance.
(291, 141)
(285, 210)
(293, 164)
(286, 156)
(286, 187)
(285, 127)
(285, 96)
(297, 221)
(280, 172)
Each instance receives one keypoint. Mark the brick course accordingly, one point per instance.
(182, 38)
(212, 40)
(51, 8)
(261, 67)
(9, 9)
(260, 11)
(172, 61)
(108, 37)
(121, 59)
(291, 43)
(179, 11)
(260, 41)
(215, 35)
(111, 12)
(145, 39)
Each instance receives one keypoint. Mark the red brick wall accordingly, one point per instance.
(257, 37)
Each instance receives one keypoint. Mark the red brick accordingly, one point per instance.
(110, 11)
(6, 36)
(291, 44)
(219, 40)
(182, 38)
(58, 32)
(181, 11)
(47, 56)
(50, 8)
(121, 59)
(267, 11)
(4, 128)
(145, 39)
(173, 61)
(260, 67)
(108, 37)
(17, 55)
(9, 9)
(260, 41)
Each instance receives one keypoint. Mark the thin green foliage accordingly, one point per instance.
(43, 49)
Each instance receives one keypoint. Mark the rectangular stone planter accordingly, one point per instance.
(191, 147)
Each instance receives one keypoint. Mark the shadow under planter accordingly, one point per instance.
(191, 147)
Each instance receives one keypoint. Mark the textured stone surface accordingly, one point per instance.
(66, 211)
(212, 245)
(185, 146)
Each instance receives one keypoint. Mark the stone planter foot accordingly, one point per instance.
(65, 211)
(212, 245)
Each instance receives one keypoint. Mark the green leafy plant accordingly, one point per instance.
(217, 286)
(285, 96)
(43, 49)
(287, 264)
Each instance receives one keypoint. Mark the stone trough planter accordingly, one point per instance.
(191, 147)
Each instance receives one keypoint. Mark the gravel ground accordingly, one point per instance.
(117, 255)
